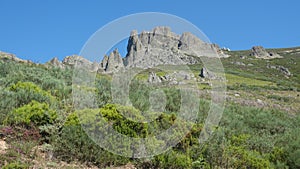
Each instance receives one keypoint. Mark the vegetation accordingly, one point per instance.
(37, 112)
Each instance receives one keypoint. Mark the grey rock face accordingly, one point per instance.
(80, 62)
(260, 52)
(75, 59)
(103, 64)
(163, 47)
(71, 61)
(220, 51)
(114, 62)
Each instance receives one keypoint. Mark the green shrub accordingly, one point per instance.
(7, 104)
(25, 92)
(103, 92)
(35, 112)
(173, 160)
(73, 143)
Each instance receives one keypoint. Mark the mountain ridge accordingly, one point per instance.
(160, 46)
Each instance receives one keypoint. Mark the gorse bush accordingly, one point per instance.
(72, 143)
(35, 112)
(75, 141)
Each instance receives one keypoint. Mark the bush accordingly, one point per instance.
(7, 104)
(25, 92)
(73, 143)
(103, 92)
(36, 113)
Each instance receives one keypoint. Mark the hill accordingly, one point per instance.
(40, 126)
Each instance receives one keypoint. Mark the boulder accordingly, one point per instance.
(261, 53)
(153, 78)
(282, 69)
(205, 73)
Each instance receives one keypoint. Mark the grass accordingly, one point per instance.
(235, 79)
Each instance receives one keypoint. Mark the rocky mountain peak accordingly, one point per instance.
(55, 63)
(162, 46)
(189, 41)
(114, 62)
(71, 60)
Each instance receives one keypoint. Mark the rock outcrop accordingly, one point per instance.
(55, 63)
(71, 61)
(114, 62)
(149, 49)
(153, 78)
(163, 47)
(261, 53)
(12, 57)
(174, 78)
(282, 69)
(79, 61)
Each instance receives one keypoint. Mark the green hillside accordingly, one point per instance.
(41, 128)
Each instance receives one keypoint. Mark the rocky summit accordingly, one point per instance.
(160, 46)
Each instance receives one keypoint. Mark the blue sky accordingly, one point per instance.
(39, 30)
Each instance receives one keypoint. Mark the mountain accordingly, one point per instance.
(161, 46)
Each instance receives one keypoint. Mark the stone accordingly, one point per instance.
(243, 57)
(153, 78)
(163, 47)
(79, 62)
(12, 57)
(259, 101)
(204, 73)
(3, 147)
(260, 52)
(55, 63)
(103, 64)
(239, 63)
(75, 59)
(114, 62)
(282, 69)
(220, 51)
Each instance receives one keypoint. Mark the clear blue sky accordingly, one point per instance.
(41, 29)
